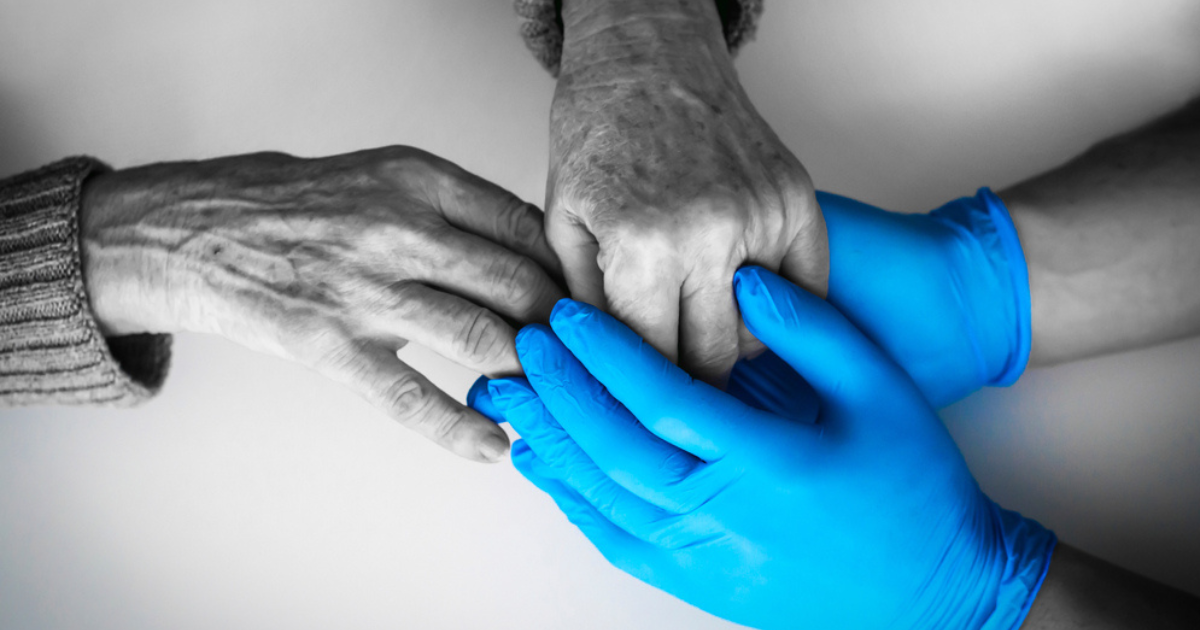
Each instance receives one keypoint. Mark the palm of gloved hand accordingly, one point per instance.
(862, 515)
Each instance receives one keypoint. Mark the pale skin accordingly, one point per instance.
(1112, 242)
(335, 263)
(1110, 238)
(664, 180)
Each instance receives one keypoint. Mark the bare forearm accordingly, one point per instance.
(1111, 243)
(1082, 591)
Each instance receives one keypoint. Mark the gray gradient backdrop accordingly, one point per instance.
(254, 494)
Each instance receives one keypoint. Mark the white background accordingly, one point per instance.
(253, 494)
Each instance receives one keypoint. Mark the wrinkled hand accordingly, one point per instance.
(335, 263)
(664, 180)
(858, 512)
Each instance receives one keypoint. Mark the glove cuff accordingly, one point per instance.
(1027, 547)
(996, 293)
(989, 578)
(1010, 246)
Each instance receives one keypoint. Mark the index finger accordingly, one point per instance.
(636, 459)
(488, 274)
(708, 326)
(478, 206)
(690, 414)
(644, 293)
(376, 374)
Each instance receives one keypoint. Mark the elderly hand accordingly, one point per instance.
(664, 179)
(335, 263)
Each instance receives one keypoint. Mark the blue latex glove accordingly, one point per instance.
(944, 294)
(861, 516)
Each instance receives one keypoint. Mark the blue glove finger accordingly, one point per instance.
(564, 460)
(520, 406)
(479, 400)
(628, 453)
(819, 343)
(690, 414)
(868, 519)
(621, 549)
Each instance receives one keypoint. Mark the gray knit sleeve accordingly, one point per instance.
(51, 348)
(542, 27)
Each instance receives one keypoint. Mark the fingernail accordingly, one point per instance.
(493, 447)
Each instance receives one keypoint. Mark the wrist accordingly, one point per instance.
(990, 264)
(1018, 273)
(125, 275)
(1027, 548)
(641, 33)
(991, 580)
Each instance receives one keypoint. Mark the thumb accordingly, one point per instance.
(841, 364)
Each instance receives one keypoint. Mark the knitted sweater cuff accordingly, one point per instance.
(542, 27)
(51, 348)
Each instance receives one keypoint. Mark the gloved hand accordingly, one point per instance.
(944, 294)
(863, 515)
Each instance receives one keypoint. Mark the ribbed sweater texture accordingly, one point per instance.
(51, 348)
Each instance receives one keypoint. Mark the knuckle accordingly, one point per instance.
(522, 222)
(520, 283)
(329, 347)
(675, 467)
(481, 340)
(793, 175)
(399, 152)
(725, 220)
(409, 398)
(273, 157)
(443, 427)
(410, 166)
(718, 222)
(398, 155)
(413, 402)
(640, 252)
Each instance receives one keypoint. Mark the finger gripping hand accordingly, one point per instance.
(663, 181)
(862, 516)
